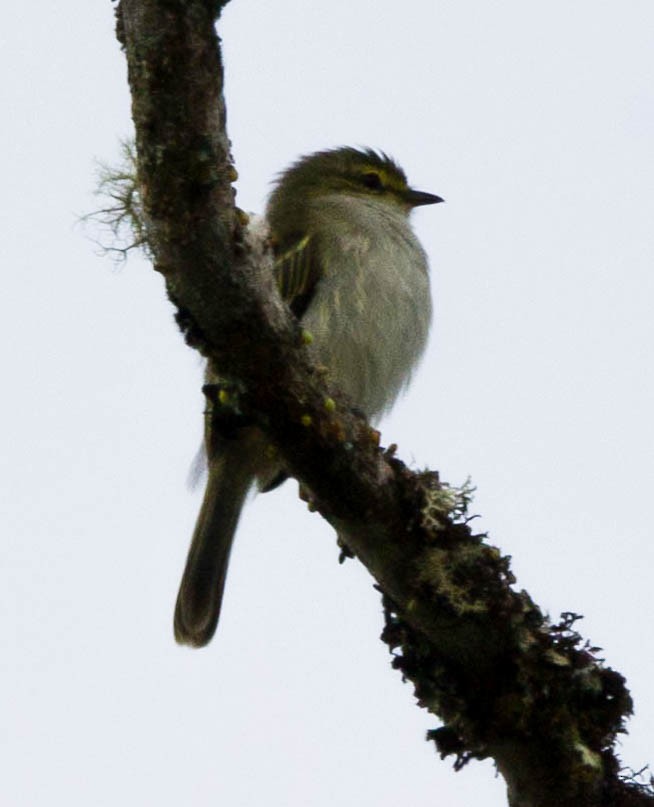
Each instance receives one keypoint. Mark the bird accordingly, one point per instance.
(352, 270)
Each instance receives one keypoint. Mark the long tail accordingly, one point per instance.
(201, 590)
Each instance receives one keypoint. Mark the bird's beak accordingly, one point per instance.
(418, 198)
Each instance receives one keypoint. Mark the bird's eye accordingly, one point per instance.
(372, 180)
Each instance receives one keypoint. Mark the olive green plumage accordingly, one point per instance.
(351, 268)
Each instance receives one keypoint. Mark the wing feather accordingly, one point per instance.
(297, 271)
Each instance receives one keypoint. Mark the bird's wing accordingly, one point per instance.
(297, 271)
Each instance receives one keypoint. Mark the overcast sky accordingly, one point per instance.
(536, 122)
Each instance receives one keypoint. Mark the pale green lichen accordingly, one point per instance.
(443, 502)
(120, 223)
(557, 659)
(589, 759)
(448, 573)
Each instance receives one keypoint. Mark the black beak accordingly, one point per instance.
(418, 198)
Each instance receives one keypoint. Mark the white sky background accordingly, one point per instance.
(536, 123)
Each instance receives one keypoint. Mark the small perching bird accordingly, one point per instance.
(351, 268)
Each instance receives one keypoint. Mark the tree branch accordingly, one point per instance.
(481, 656)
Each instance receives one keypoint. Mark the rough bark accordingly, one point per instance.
(481, 655)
